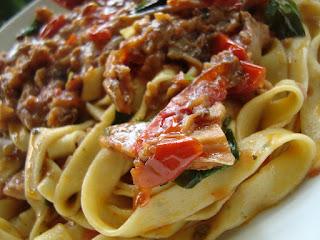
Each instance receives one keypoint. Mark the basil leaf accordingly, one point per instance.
(232, 143)
(226, 123)
(34, 28)
(149, 4)
(230, 137)
(121, 118)
(284, 19)
(190, 178)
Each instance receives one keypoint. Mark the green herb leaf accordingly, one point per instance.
(145, 5)
(33, 29)
(230, 137)
(232, 143)
(190, 178)
(284, 19)
(226, 123)
(121, 118)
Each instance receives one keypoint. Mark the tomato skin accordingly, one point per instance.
(253, 74)
(69, 4)
(51, 28)
(99, 34)
(223, 42)
(253, 79)
(171, 157)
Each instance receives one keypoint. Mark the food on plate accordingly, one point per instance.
(177, 119)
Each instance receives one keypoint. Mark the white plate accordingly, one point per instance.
(295, 218)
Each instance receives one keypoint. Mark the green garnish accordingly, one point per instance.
(284, 19)
(33, 29)
(226, 123)
(230, 137)
(121, 118)
(232, 143)
(145, 5)
(190, 178)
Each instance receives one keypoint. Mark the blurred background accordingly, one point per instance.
(10, 7)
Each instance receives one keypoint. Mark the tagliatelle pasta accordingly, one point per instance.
(170, 121)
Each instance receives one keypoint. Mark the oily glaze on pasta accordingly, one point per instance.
(67, 180)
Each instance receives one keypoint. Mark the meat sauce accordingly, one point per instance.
(41, 77)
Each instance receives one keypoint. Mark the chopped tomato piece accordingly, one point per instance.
(173, 151)
(254, 75)
(72, 39)
(53, 27)
(252, 80)
(69, 3)
(223, 42)
(99, 34)
(171, 157)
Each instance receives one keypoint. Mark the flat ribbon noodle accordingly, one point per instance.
(7, 231)
(266, 186)
(310, 113)
(70, 182)
(169, 207)
(276, 62)
(266, 110)
(40, 140)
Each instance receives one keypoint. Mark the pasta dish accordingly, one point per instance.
(157, 119)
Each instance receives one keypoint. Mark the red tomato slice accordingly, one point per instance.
(171, 157)
(53, 27)
(253, 79)
(72, 39)
(223, 42)
(169, 119)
